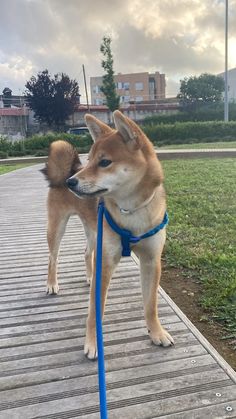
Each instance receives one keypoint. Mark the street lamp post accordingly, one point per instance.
(226, 103)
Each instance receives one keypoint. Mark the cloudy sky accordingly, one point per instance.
(176, 37)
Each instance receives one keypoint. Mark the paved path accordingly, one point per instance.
(43, 372)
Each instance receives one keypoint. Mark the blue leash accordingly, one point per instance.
(126, 239)
(101, 365)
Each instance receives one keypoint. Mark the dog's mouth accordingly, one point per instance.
(85, 194)
(85, 189)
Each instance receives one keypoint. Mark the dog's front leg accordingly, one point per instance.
(150, 278)
(108, 265)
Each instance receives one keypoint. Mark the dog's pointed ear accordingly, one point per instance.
(96, 127)
(130, 131)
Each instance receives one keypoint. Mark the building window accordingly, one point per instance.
(96, 89)
(98, 102)
(138, 99)
(120, 85)
(139, 86)
(126, 99)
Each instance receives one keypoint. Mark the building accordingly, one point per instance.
(231, 84)
(14, 122)
(135, 111)
(134, 87)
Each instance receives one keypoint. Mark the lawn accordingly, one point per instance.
(202, 231)
(220, 144)
(5, 168)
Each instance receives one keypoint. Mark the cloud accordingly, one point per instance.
(170, 55)
(179, 38)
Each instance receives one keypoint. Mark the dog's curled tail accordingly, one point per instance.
(63, 162)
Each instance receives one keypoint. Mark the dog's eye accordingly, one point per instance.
(104, 163)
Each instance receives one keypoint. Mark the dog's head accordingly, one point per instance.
(120, 161)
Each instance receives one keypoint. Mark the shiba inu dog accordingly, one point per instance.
(123, 169)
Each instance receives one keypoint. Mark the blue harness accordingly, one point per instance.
(126, 235)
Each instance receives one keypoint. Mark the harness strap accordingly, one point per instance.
(127, 236)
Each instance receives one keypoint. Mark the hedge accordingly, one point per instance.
(213, 112)
(162, 134)
(190, 132)
(38, 145)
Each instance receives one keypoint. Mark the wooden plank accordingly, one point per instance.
(225, 409)
(54, 390)
(176, 407)
(77, 366)
(126, 393)
(73, 332)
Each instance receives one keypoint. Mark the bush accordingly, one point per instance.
(38, 145)
(4, 144)
(190, 132)
(211, 112)
(3, 155)
(159, 134)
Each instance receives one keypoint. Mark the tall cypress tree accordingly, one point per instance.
(108, 85)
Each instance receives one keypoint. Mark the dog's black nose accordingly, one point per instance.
(71, 182)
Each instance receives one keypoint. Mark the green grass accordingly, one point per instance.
(221, 144)
(5, 168)
(202, 231)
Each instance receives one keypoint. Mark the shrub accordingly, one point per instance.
(159, 134)
(4, 144)
(39, 144)
(3, 155)
(212, 112)
(190, 132)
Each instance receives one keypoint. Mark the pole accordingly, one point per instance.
(226, 103)
(85, 85)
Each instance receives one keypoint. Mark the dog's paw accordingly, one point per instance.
(90, 349)
(52, 289)
(161, 338)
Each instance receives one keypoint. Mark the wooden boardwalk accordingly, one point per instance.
(43, 372)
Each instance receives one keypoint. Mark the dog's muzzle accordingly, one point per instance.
(82, 190)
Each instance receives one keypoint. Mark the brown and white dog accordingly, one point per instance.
(123, 168)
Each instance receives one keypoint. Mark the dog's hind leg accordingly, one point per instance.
(150, 278)
(57, 221)
(89, 262)
(89, 252)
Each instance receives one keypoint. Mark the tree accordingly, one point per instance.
(7, 97)
(108, 85)
(52, 99)
(207, 88)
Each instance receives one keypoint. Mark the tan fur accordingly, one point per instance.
(63, 162)
(132, 176)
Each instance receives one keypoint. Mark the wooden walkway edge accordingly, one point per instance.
(43, 372)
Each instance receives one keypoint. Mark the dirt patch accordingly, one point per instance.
(185, 291)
